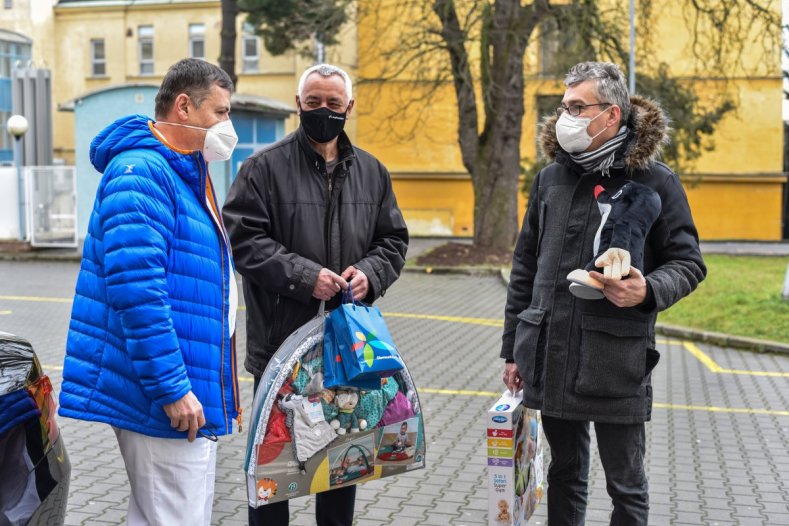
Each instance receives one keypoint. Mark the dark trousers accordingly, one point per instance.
(621, 448)
(332, 508)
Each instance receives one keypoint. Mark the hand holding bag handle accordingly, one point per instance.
(333, 370)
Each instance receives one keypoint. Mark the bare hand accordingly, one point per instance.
(512, 378)
(328, 285)
(615, 263)
(186, 414)
(358, 280)
(626, 292)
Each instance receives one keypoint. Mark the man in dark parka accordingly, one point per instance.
(591, 360)
(308, 217)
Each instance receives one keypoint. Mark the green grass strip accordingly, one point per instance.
(741, 296)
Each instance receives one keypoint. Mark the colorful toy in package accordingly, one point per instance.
(515, 461)
(294, 450)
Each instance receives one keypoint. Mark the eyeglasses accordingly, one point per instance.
(207, 431)
(576, 109)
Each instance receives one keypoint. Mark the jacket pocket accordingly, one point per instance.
(653, 357)
(613, 361)
(529, 343)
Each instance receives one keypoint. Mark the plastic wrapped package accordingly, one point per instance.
(282, 464)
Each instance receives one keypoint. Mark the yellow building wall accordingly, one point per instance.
(276, 78)
(436, 205)
(733, 207)
(418, 142)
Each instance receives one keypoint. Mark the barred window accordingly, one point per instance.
(145, 38)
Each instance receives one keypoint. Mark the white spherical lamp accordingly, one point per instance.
(16, 126)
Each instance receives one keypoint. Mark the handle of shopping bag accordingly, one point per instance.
(347, 295)
(322, 308)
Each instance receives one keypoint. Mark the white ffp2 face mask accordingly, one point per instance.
(220, 139)
(571, 132)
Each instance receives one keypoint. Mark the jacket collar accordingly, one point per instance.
(345, 153)
(648, 129)
(134, 132)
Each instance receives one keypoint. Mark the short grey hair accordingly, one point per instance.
(327, 70)
(610, 86)
(192, 76)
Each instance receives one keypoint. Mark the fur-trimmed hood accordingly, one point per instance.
(648, 129)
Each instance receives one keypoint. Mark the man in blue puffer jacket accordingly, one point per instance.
(151, 346)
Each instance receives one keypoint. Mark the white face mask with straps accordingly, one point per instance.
(571, 132)
(220, 139)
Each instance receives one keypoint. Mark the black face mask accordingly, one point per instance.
(322, 125)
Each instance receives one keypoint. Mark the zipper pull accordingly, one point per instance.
(329, 178)
(239, 419)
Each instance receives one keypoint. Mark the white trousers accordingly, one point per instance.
(172, 481)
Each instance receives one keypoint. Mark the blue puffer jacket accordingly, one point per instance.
(150, 315)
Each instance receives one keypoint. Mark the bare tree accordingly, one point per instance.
(478, 48)
(484, 42)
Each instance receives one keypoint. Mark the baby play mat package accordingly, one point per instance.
(515, 461)
(305, 438)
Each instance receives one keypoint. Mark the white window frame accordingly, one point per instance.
(145, 36)
(249, 63)
(196, 35)
(94, 61)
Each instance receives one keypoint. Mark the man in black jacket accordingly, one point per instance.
(307, 217)
(581, 360)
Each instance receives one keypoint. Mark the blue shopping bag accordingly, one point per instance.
(333, 370)
(363, 341)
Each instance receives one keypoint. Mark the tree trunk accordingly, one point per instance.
(492, 157)
(495, 181)
(227, 55)
(496, 167)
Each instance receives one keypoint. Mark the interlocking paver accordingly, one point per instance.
(704, 467)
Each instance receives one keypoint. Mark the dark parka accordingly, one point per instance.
(589, 359)
(287, 219)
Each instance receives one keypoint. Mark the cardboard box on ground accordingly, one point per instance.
(515, 461)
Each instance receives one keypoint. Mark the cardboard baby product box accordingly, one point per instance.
(515, 461)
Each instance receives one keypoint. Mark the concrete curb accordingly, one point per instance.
(713, 338)
(465, 271)
(721, 339)
(43, 255)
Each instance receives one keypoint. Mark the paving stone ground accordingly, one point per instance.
(718, 444)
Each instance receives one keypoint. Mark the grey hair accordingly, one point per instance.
(326, 70)
(610, 86)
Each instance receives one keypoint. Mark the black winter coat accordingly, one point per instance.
(589, 359)
(287, 219)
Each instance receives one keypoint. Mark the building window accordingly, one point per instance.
(250, 50)
(197, 40)
(145, 36)
(12, 55)
(9, 4)
(98, 62)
